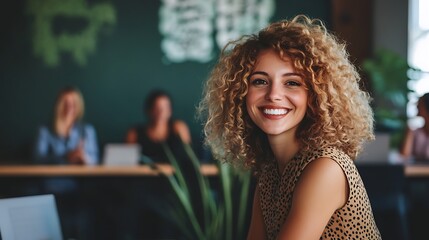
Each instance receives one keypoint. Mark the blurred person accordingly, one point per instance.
(68, 141)
(415, 144)
(286, 103)
(160, 128)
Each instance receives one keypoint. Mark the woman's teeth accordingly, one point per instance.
(275, 111)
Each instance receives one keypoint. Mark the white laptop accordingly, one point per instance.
(27, 218)
(121, 154)
(376, 151)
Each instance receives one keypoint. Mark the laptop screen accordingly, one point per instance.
(376, 151)
(121, 154)
(33, 217)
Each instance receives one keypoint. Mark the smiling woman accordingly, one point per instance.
(287, 103)
(67, 140)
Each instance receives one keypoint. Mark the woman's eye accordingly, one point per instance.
(293, 83)
(259, 82)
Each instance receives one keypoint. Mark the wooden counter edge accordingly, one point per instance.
(416, 170)
(71, 170)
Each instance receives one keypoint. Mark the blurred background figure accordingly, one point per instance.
(160, 128)
(416, 142)
(68, 140)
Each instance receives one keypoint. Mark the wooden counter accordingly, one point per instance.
(141, 170)
(88, 171)
(418, 170)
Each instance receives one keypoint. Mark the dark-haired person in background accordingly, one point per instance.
(160, 128)
(416, 142)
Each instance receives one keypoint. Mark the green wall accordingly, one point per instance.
(126, 65)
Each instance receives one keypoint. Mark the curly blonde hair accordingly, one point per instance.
(338, 114)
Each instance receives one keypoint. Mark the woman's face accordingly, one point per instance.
(70, 106)
(422, 112)
(161, 109)
(277, 96)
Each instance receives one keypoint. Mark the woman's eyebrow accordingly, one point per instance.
(258, 72)
(292, 74)
(284, 75)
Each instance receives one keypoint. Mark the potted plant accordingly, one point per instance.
(388, 75)
(224, 208)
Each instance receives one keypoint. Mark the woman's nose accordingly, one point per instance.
(274, 93)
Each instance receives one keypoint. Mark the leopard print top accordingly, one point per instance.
(353, 221)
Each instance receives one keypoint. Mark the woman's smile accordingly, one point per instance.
(272, 112)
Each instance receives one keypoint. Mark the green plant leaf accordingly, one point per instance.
(209, 206)
(242, 209)
(218, 220)
(182, 192)
(226, 187)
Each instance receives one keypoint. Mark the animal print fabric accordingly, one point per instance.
(354, 220)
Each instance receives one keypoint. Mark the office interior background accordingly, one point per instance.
(118, 51)
(128, 59)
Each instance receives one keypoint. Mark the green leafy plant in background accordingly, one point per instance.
(48, 45)
(224, 212)
(387, 71)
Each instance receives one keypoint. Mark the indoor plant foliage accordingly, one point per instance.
(389, 84)
(224, 206)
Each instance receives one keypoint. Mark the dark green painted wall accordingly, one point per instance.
(126, 65)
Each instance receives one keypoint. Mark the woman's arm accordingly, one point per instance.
(42, 153)
(320, 191)
(91, 146)
(181, 129)
(131, 136)
(257, 227)
(407, 143)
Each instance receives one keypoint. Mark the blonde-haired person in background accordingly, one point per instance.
(68, 140)
(287, 103)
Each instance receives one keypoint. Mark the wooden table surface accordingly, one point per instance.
(141, 170)
(418, 170)
(82, 171)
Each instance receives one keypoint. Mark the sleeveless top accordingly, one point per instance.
(354, 220)
(420, 150)
(155, 150)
